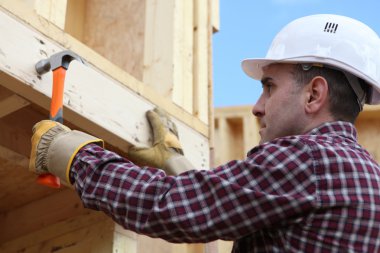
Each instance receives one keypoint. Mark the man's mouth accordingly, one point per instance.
(262, 128)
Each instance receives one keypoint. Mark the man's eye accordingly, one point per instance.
(268, 88)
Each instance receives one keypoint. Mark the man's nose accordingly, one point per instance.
(259, 108)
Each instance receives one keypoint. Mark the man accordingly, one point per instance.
(308, 187)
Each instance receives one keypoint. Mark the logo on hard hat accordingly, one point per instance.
(330, 27)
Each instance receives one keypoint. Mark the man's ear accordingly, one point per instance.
(316, 95)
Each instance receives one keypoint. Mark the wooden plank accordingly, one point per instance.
(90, 229)
(224, 246)
(159, 45)
(75, 18)
(251, 136)
(370, 112)
(367, 125)
(201, 60)
(16, 129)
(368, 135)
(96, 102)
(210, 106)
(17, 185)
(182, 93)
(11, 104)
(125, 241)
(228, 140)
(215, 15)
(52, 10)
(37, 214)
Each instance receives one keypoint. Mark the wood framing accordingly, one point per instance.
(236, 132)
(139, 55)
(89, 91)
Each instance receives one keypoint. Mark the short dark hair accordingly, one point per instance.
(342, 99)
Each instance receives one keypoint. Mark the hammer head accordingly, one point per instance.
(61, 59)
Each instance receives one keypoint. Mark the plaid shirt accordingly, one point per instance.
(318, 192)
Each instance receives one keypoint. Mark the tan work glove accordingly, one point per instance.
(54, 147)
(166, 152)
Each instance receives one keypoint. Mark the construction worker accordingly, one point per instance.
(307, 187)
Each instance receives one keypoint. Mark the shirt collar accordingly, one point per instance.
(341, 128)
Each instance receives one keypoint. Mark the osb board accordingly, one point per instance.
(96, 102)
(116, 31)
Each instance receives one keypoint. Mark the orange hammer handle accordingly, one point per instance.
(56, 114)
(56, 106)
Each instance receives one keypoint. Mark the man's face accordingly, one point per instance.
(280, 108)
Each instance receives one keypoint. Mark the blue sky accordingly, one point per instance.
(247, 28)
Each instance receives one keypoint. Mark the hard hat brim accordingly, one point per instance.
(253, 67)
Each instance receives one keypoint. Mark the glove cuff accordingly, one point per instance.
(63, 150)
(177, 164)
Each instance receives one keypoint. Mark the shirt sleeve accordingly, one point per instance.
(273, 186)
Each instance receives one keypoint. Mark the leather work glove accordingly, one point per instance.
(166, 152)
(54, 147)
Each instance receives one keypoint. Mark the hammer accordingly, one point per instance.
(58, 63)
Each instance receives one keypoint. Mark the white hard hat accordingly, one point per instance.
(337, 41)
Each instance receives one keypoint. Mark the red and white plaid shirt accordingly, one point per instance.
(318, 192)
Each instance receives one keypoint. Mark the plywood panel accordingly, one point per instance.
(116, 31)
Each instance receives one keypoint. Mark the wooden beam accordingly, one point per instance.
(52, 10)
(159, 44)
(201, 60)
(16, 130)
(70, 233)
(17, 184)
(56, 207)
(251, 136)
(11, 104)
(75, 18)
(215, 15)
(370, 112)
(183, 55)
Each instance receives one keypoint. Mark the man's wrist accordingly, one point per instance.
(63, 150)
